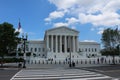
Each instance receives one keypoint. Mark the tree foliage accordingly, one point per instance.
(111, 42)
(110, 38)
(8, 39)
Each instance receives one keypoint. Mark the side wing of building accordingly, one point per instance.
(37, 48)
(89, 49)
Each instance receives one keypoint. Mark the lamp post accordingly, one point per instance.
(70, 64)
(24, 39)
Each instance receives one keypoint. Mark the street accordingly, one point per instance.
(7, 73)
(58, 74)
(111, 70)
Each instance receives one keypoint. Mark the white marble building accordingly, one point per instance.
(59, 42)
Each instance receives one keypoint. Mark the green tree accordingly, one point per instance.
(8, 39)
(111, 40)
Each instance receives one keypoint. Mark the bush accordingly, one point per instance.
(11, 60)
(28, 54)
(20, 54)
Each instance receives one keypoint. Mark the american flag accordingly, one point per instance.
(19, 26)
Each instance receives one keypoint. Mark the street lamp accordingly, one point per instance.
(24, 39)
(70, 64)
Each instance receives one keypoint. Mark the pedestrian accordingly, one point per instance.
(102, 59)
(73, 64)
(98, 60)
(66, 59)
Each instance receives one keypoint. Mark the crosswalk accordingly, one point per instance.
(58, 74)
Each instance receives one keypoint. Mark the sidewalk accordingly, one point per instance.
(10, 64)
(50, 66)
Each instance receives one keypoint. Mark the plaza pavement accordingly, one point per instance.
(62, 65)
(15, 65)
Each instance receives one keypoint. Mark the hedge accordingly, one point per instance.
(11, 60)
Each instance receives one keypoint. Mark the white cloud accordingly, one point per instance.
(31, 33)
(89, 41)
(20, 30)
(55, 15)
(100, 13)
(92, 29)
(60, 24)
(63, 4)
(72, 20)
(73, 27)
(112, 6)
(37, 39)
(105, 19)
(100, 30)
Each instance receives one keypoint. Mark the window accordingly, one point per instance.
(43, 50)
(92, 50)
(95, 50)
(39, 49)
(54, 56)
(43, 55)
(27, 49)
(73, 56)
(31, 49)
(89, 49)
(83, 50)
(35, 49)
(86, 49)
(68, 49)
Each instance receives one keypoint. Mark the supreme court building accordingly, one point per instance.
(60, 42)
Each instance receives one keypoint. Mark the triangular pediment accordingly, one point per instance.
(62, 31)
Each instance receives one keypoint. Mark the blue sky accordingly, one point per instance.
(90, 17)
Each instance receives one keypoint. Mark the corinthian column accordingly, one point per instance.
(51, 43)
(73, 43)
(47, 42)
(60, 43)
(77, 41)
(65, 43)
(56, 44)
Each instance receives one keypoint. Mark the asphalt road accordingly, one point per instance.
(111, 70)
(7, 73)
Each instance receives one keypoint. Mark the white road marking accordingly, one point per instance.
(104, 77)
(63, 74)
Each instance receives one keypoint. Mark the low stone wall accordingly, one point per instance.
(101, 60)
